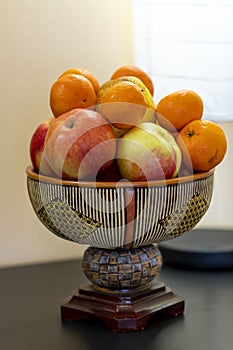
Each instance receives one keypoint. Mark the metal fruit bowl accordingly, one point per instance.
(120, 214)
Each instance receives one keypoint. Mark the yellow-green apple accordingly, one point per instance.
(148, 152)
(79, 143)
(37, 142)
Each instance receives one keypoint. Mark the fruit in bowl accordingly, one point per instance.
(125, 102)
(148, 152)
(130, 70)
(79, 143)
(37, 148)
(178, 108)
(124, 135)
(204, 143)
(74, 88)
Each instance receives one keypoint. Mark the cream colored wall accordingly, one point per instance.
(40, 39)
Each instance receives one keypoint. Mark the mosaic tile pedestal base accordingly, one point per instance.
(122, 293)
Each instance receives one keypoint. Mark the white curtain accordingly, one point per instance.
(188, 44)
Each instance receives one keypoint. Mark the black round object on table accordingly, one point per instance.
(200, 249)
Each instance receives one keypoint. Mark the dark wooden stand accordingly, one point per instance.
(122, 312)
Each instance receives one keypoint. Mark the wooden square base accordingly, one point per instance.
(122, 312)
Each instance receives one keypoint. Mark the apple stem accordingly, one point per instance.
(71, 125)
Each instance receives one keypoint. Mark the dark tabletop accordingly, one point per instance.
(30, 312)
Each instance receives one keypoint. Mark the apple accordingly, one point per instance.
(79, 143)
(110, 174)
(148, 152)
(148, 115)
(37, 148)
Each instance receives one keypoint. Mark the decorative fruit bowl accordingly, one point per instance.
(108, 172)
(121, 222)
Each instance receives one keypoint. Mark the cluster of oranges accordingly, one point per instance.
(202, 142)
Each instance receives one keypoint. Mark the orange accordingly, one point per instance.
(120, 101)
(131, 70)
(204, 143)
(71, 91)
(86, 73)
(179, 108)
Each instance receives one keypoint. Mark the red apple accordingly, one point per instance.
(110, 174)
(79, 143)
(148, 152)
(37, 148)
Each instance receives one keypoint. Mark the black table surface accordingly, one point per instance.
(30, 312)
